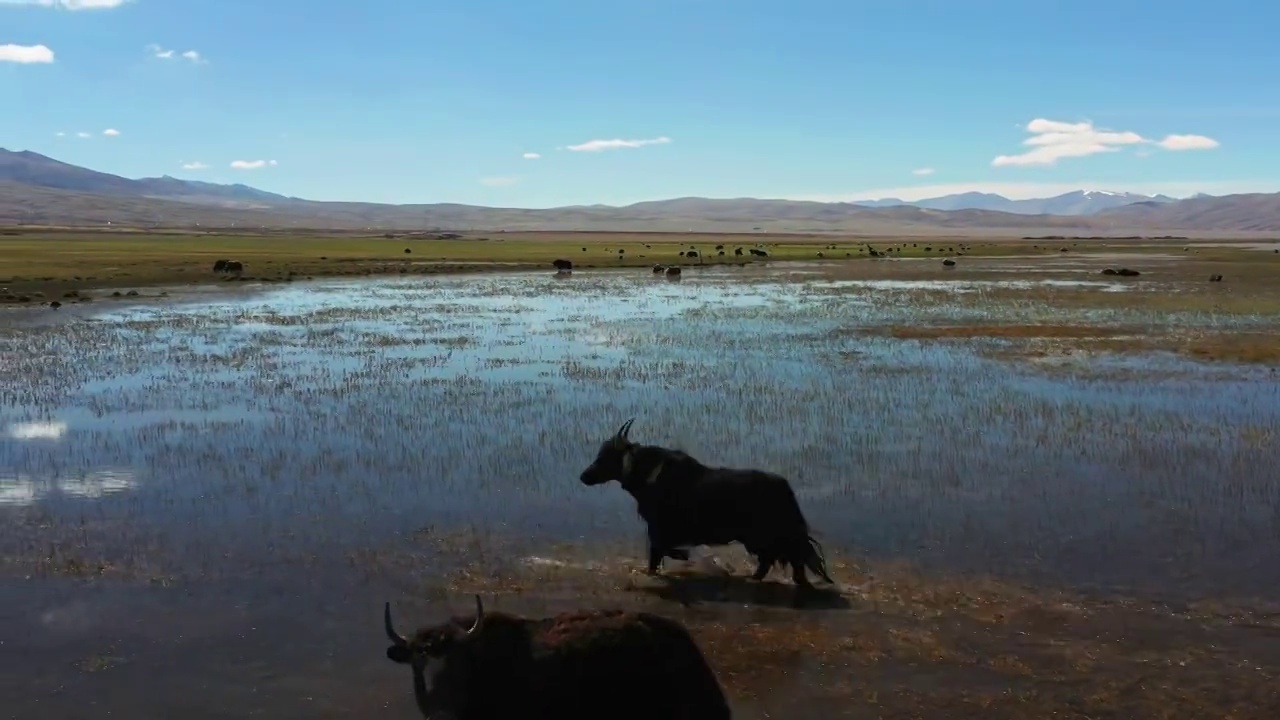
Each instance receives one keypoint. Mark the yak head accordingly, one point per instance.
(436, 641)
(443, 642)
(613, 460)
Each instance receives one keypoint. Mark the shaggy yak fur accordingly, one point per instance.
(583, 665)
(686, 503)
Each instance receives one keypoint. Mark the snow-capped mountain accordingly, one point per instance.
(1079, 202)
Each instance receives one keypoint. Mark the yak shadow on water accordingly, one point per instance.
(691, 588)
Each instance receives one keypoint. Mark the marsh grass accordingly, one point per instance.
(423, 436)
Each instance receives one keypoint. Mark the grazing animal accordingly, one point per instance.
(719, 247)
(737, 251)
(562, 265)
(1215, 278)
(673, 272)
(685, 502)
(582, 665)
(949, 262)
(220, 266)
(233, 266)
(759, 253)
(657, 268)
(691, 253)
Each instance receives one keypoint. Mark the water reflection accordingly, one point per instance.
(323, 418)
(22, 489)
(46, 430)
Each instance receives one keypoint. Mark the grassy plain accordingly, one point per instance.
(52, 261)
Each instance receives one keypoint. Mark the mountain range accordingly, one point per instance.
(39, 190)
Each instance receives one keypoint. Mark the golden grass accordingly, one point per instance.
(938, 332)
(1241, 347)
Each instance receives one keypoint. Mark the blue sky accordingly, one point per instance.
(441, 100)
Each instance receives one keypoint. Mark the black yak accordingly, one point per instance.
(220, 266)
(581, 665)
(685, 502)
(563, 265)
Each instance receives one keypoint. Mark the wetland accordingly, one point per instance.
(1043, 491)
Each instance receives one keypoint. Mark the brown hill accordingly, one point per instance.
(38, 190)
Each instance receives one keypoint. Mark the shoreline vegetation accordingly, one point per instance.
(59, 267)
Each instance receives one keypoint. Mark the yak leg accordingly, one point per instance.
(798, 559)
(764, 562)
(657, 552)
(655, 558)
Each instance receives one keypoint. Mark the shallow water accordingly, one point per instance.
(252, 446)
(338, 413)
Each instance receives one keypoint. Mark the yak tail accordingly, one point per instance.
(817, 560)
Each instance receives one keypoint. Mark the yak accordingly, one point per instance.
(562, 265)
(684, 502)
(578, 665)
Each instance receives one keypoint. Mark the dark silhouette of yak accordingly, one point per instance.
(685, 502)
(562, 265)
(582, 665)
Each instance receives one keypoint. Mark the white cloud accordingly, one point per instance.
(1053, 140)
(531, 156)
(1027, 190)
(25, 54)
(69, 4)
(111, 132)
(922, 172)
(60, 134)
(1187, 142)
(600, 145)
(83, 134)
(194, 165)
(504, 181)
(164, 53)
(252, 164)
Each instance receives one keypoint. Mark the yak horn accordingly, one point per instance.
(622, 431)
(395, 637)
(479, 615)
